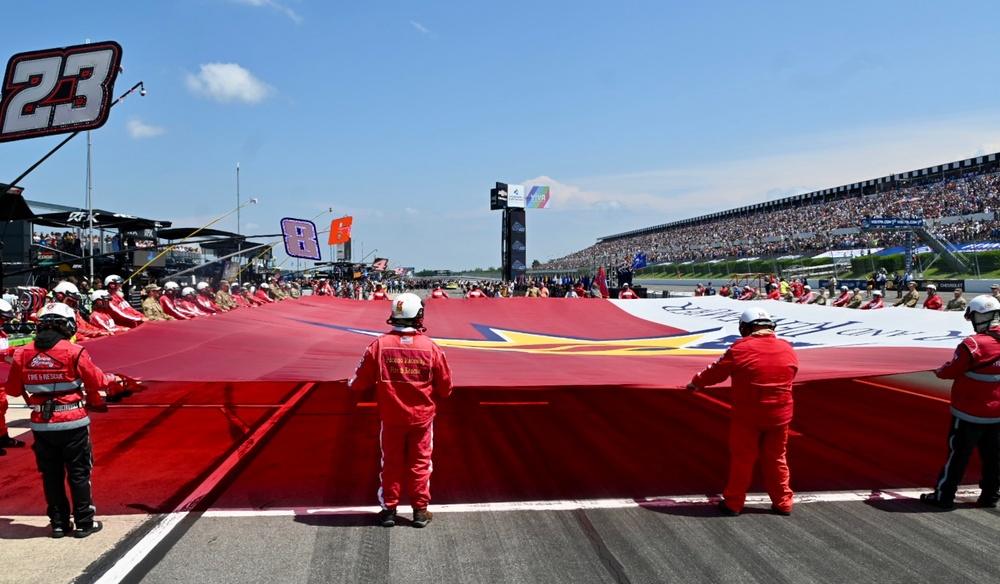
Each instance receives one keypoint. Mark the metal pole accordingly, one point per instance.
(239, 244)
(90, 207)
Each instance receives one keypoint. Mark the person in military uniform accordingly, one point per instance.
(957, 304)
(995, 291)
(223, 298)
(856, 300)
(151, 305)
(911, 298)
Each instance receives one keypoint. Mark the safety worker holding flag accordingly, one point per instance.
(975, 407)
(762, 368)
(408, 372)
(60, 383)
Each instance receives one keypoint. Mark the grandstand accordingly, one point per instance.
(957, 200)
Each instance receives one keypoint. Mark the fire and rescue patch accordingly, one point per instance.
(55, 91)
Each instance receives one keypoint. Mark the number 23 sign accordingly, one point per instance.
(55, 91)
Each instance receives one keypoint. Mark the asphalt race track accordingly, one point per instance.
(277, 482)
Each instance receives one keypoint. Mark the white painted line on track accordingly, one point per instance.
(144, 546)
(585, 504)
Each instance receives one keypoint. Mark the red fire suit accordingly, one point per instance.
(762, 368)
(841, 300)
(168, 306)
(85, 330)
(54, 381)
(806, 297)
(975, 411)
(206, 304)
(774, 294)
(475, 293)
(123, 313)
(934, 303)
(262, 296)
(408, 371)
(379, 295)
(103, 320)
(874, 304)
(5, 351)
(627, 294)
(438, 293)
(187, 306)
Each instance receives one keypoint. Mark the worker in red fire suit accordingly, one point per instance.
(205, 299)
(186, 303)
(844, 298)
(975, 407)
(626, 293)
(934, 300)
(168, 301)
(263, 293)
(7, 354)
(67, 293)
(379, 293)
(437, 292)
(60, 383)
(762, 368)
(119, 308)
(408, 371)
(875, 303)
(101, 316)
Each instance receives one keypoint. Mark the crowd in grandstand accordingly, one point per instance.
(812, 228)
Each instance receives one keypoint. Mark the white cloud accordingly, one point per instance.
(137, 129)
(274, 6)
(423, 29)
(228, 82)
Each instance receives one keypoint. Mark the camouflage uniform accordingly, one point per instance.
(957, 304)
(153, 311)
(910, 299)
(855, 301)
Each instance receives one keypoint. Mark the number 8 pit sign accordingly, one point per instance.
(55, 91)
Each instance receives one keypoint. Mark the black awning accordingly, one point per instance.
(13, 207)
(80, 219)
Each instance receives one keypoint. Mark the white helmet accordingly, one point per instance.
(113, 279)
(66, 291)
(807, 287)
(752, 317)
(201, 286)
(187, 290)
(407, 310)
(171, 286)
(65, 287)
(99, 295)
(982, 311)
(265, 285)
(877, 292)
(57, 316)
(6, 310)
(844, 288)
(931, 287)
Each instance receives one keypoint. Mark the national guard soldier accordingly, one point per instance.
(957, 304)
(911, 298)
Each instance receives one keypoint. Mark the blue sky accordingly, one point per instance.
(404, 114)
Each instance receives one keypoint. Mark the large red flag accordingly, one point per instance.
(602, 281)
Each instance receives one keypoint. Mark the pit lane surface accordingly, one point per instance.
(560, 486)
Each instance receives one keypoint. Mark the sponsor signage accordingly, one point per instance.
(516, 197)
(890, 223)
(538, 198)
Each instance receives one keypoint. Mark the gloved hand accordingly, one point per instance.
(692, 387)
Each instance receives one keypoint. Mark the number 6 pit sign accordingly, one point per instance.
(55, 91)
